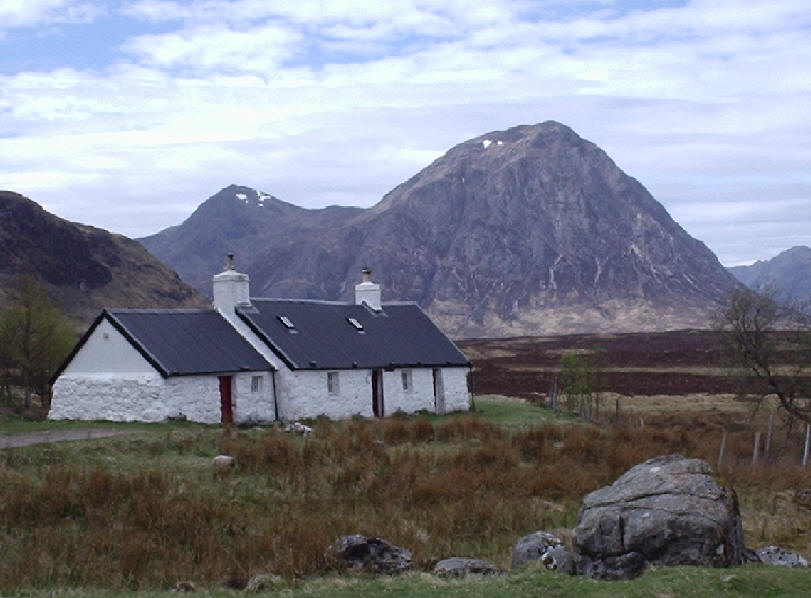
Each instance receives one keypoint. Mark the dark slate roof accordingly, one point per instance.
(322, 337)
(179, 342)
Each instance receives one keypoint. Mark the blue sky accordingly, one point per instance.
(126, 115)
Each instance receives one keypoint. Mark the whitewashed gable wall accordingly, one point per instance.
(108, 379)
(108, 351)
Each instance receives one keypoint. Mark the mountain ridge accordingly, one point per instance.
(788, 274)
(523, 231)
(82, 268)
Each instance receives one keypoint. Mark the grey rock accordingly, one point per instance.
(780, 557)
(667, 511)
(611, 568)
(562, 560)
(533, 547)
(459, 566)
(374, 555)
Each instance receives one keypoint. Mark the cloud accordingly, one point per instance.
(27, 13)
(323, 102)
(258, 49)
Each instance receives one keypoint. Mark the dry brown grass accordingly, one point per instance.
(457, 486)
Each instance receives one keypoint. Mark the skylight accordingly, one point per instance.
(355, 323)
(288, 323)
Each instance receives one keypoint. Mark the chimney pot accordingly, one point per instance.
(368, 292)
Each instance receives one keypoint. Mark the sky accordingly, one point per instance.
(126, 115)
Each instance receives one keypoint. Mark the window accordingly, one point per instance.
(288, 323)
(332, 383)
(256, 384)
(406, 376)
(355, 323)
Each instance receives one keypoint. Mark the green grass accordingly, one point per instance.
(752, 581)
(21, 426)
(513, 413)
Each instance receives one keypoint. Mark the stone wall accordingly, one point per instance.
(419, 396)
(454, 383)
(252, 406)
(107, 397)
(304, 393)
(150, 398)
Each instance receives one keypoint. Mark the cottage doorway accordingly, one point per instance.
(226, 400)
(439, 392)
(377, 392)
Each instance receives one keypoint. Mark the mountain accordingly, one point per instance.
(788, 274)
(242, 221)
(82, 268)
(525, 231)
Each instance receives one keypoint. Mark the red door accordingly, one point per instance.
(226, 405)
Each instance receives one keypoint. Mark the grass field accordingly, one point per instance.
(752, 581)
(135, 514)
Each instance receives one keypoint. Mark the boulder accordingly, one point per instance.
(562, 560)
(459, 566)
(533, 547)
(669, 510)
(298, 428)
(611, 568)
(774, 555)
(374, 555)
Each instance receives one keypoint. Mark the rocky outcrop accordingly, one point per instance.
(534, 547)
(458, 566)
(373, 555)
(780, 557)
(525, 231)
(666, 511)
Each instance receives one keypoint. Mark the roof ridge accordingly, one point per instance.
(160, 310)
(308, 301)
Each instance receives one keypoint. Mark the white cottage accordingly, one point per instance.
(257, 360)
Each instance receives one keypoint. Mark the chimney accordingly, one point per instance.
(368, 292)
(231, 289)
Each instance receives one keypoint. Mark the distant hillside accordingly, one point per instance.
(788, 273)
(83, 268)
(524, 231)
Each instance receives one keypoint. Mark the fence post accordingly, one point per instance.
(721, 450)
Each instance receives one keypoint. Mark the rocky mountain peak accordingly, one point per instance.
(532, 229)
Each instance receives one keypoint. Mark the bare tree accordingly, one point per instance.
(769, 343)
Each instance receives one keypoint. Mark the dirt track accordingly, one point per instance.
(27, 438)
